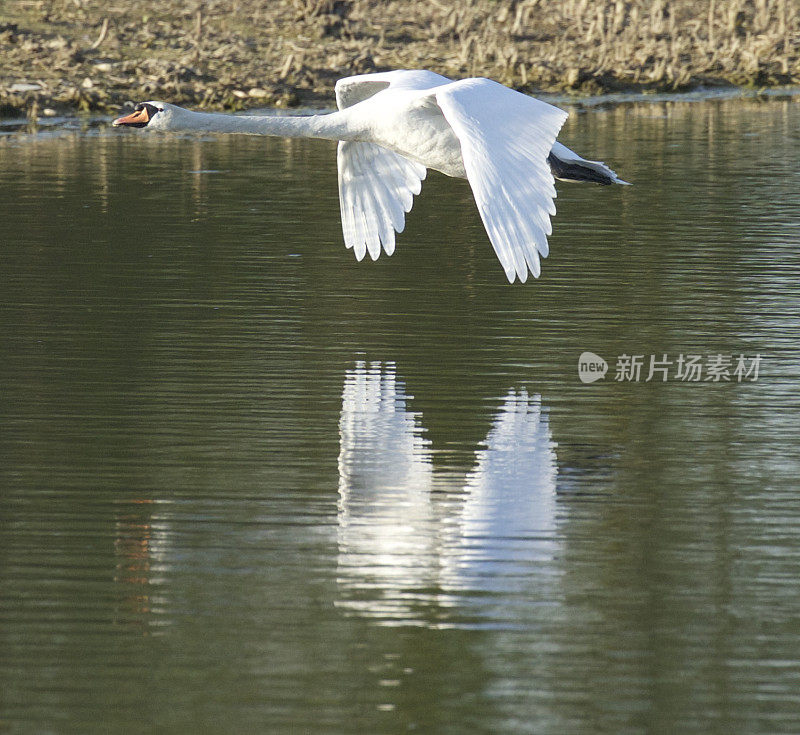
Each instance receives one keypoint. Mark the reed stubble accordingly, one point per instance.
(92, 55)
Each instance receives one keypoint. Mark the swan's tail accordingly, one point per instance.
(567, 165)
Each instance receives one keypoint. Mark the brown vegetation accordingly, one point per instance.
(92, 55)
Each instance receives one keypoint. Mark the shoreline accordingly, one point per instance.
(72, 121)
(59, 58)
(588, 102)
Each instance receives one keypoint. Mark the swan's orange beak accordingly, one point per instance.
(137, 119)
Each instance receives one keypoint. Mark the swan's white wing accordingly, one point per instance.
(352, 90)
(376, 189)
(505, 139)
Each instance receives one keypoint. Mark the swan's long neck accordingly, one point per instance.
(333, 126)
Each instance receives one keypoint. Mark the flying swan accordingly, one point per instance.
(392, 126)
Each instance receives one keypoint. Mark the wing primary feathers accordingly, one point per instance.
(505, 139)
(376, 189)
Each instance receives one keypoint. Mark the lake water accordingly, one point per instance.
(250, 485)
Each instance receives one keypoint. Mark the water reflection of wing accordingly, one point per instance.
(407, 555)
(386, 522)
(507, 525)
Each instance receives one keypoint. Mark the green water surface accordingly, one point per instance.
(248, 485)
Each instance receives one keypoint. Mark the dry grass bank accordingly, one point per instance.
(92, 55)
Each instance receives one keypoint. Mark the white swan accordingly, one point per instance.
(392, 126)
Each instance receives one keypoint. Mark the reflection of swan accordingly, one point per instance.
(508, 518)
(384, 536)
(394, 125)
(406, 553)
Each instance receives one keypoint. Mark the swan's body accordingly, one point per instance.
(393, 126)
